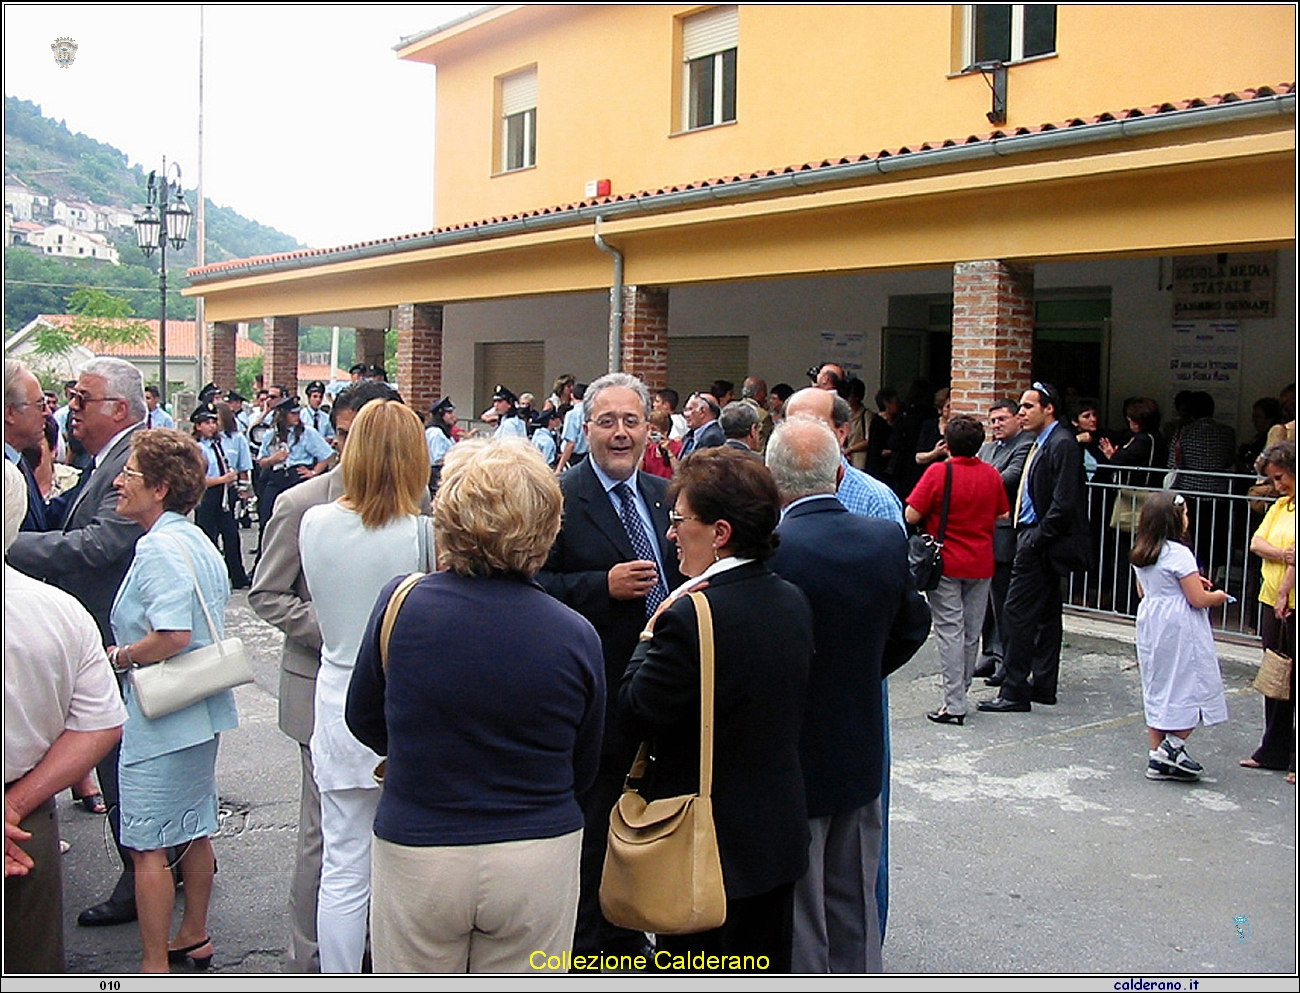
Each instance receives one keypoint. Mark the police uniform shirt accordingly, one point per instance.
(511, 427)
(439, 444)
(544, 442)
(158, 418)
(309, 449)
(239, 456)
(573, 429)
(318, 419)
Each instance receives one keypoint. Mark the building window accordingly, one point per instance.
(1002, 32)
(519, 120)
(709, 68)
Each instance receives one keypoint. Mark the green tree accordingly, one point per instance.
(99, 318)
(246, 371)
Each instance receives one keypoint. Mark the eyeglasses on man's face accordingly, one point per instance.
(608, 422)
(77, 399)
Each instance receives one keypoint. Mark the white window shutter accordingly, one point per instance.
(710, 32)
(519, 92)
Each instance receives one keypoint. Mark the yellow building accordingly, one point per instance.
(980, 194)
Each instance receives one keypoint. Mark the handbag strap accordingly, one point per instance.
(704, 618)
(212, 627)
(947, 502)
(391, 611)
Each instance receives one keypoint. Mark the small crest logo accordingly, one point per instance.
(65, 52)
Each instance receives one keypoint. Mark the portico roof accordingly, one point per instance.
(1251, 126)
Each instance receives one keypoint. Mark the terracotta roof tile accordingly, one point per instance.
(1282, 89)
(180, 340)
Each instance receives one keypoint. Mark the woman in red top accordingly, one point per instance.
(959, 601)
(660, 457)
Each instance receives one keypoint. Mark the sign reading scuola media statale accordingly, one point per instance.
(1233, 286)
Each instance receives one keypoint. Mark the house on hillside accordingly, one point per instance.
(978, 195)
(20, 202)
(19, 232)
(61, 240)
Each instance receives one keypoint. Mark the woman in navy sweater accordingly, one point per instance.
(490, 713)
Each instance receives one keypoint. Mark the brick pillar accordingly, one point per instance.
(219, 354)
(419, 353)
(369, 346)
(645, 334)
(992, 333)
(280, 352)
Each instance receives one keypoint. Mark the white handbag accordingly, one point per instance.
(175, 683)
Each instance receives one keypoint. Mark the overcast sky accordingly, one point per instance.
(311, 123)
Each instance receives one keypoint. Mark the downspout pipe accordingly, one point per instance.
(615, 302)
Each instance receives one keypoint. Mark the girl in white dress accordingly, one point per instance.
(1181, 685)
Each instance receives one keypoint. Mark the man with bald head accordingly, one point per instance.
(860, 493)
(864, 496)
(754, 393)
(830, 377)
(868, 619)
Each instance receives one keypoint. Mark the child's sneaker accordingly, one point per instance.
(1175, 757)
(1158, 770)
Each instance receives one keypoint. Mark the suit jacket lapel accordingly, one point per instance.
(95, 482)
(601, 513)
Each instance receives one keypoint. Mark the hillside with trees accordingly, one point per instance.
(51, 161)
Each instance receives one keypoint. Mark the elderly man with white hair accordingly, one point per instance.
(868, 619)
(62, 715)
(89, 555)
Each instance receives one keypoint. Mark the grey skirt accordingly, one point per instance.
(171, 799)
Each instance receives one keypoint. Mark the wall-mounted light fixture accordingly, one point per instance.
(995, 74)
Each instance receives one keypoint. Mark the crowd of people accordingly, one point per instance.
(481, 633)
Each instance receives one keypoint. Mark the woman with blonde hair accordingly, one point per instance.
(490, 709)
(350, 548)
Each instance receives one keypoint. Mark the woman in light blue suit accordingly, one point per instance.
(168, 764)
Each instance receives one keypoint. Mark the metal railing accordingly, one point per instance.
(1222, 522)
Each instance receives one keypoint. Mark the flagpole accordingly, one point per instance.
(200, 325)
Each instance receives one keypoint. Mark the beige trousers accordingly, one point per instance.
(473, 908)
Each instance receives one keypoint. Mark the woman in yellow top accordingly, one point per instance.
(1274, 542)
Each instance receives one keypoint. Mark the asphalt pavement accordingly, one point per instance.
(1020, 843)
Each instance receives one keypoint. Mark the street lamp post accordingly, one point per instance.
(166, 218)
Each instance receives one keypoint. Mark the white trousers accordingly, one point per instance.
(474, 908)
(347, 825)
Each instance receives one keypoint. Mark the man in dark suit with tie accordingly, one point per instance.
(702, 413)
(1052, 540)
(24, 426)
(868, 619)
(91, 552)
(612, 563)
(1006, 453)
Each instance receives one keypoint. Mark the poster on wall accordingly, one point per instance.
(845, 349)
(1232, 285)
(1206, 356)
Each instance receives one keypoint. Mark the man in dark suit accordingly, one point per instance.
(1006, 452)
(702, 413)
(280, 597)
(613, 564)
(92, 551)
(868, 619)
(24, 426)
(1051, 542)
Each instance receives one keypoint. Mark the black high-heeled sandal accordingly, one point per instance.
(176, 956)
(943, 717)
(91, 803)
